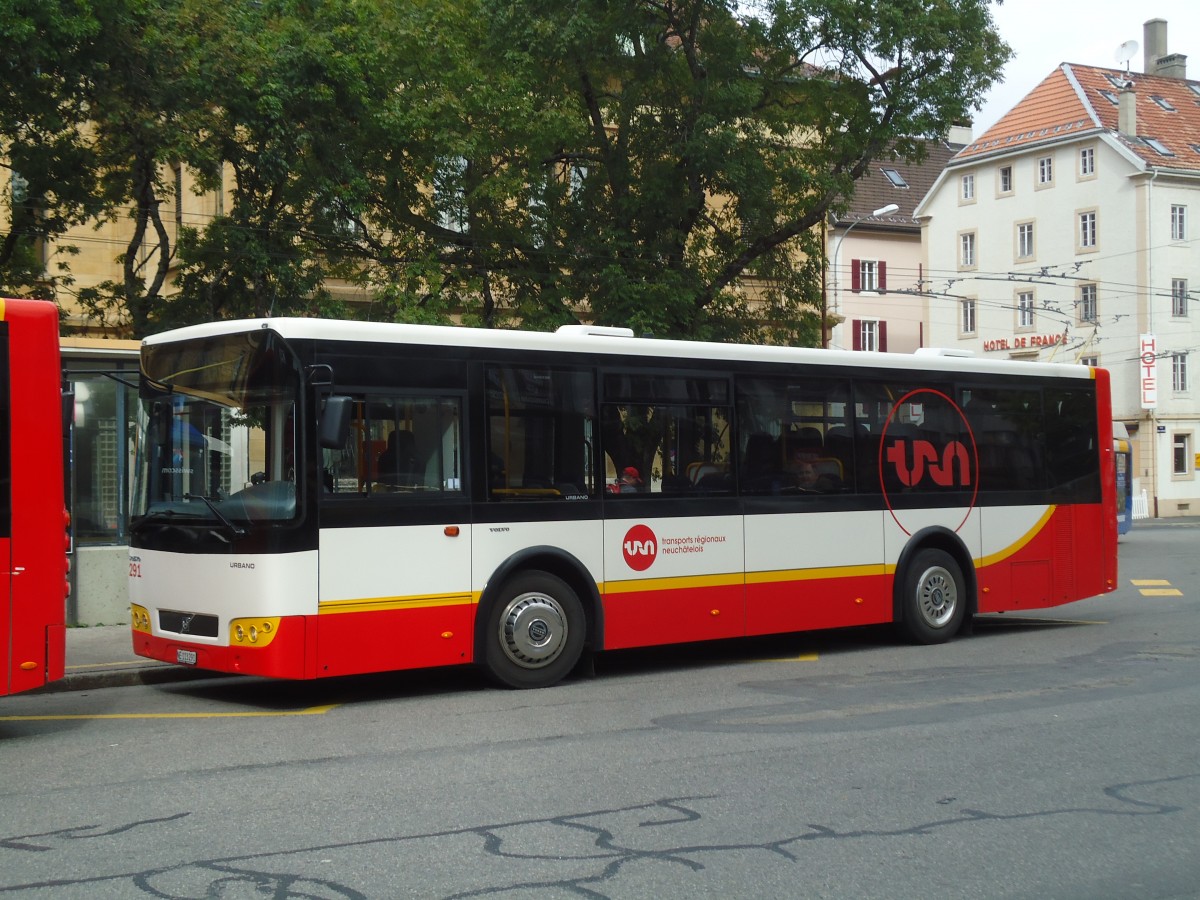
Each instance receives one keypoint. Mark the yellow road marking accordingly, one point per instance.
(1155, 587)
(311, 711)
(803, 657)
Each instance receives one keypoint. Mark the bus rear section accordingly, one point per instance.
(33, 525)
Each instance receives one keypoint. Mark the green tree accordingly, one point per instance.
(653, 163)
(52, 182)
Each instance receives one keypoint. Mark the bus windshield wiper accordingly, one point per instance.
(235, 530)
(154, 517)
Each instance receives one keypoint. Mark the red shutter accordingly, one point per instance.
(855, 276)
(882, 276)
(882, 335)
(856, 330)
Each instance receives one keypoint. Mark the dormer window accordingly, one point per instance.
(1163, 102)
(894, 177)
(1157, 145)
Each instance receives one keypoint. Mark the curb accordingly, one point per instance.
(142, 675)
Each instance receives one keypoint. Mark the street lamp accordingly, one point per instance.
(837, 249)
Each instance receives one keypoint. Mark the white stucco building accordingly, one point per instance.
(1068, 231)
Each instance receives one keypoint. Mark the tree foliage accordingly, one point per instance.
(662, 164)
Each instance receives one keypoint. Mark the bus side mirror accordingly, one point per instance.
(335, 422)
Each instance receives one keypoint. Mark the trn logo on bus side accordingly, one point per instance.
(917, 462)
(953, 469)
(640, 548)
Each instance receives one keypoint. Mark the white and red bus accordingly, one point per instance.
(320, 498)
(33, 527)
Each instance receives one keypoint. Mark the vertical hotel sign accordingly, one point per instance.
(1148, 371)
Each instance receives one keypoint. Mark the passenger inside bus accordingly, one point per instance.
(630, 481)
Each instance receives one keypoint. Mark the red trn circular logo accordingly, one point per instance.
(640, 548)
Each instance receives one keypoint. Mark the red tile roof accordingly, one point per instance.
(1069, 101)
(875, 191)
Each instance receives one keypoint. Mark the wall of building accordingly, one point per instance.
(1131, 265)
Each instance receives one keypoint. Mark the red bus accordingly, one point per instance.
(318, 498)
(33, 530)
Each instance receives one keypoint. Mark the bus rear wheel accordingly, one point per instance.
(934, 601)
(534, 632)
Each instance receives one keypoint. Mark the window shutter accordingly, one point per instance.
(855, 276)
(856, 330)
(882, 276)
(882, 335)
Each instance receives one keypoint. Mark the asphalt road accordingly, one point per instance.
(1048, 756)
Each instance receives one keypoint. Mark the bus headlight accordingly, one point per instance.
(139, 618)
(257, 632)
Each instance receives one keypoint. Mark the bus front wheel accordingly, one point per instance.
(934, 598)
(534, 631)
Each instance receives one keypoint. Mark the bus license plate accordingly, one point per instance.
(185, 657)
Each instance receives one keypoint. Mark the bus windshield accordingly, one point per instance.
(217, 431)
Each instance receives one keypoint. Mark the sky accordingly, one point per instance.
(1044, 33)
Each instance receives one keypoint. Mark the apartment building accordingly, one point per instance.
(1067, 231)
(874, 257)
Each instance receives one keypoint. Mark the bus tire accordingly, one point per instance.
(535, 631)
(933, 601)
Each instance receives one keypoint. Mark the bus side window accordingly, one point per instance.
(541, 434)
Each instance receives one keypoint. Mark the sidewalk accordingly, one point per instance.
(103, 656)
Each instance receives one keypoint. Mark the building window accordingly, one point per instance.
(868, 275)
(1179, 298)
(450, 194)
(966, 250)
(966, 322)
(1181, 454)
(1179, 373)
(968, 188)
(1087, 303)
(894, 177)
(1087, 230)
(868, 335)
(1045, 171)
(1178, 222)
(177, 195)
(1093, 361)
(1025, 240)
(1004, 180)
(1158, 146)
(1087, 162)
(1025, 309)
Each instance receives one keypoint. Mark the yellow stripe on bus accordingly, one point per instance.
(1011, 549)
(382, 604)
(864, 571)
(671, 584)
